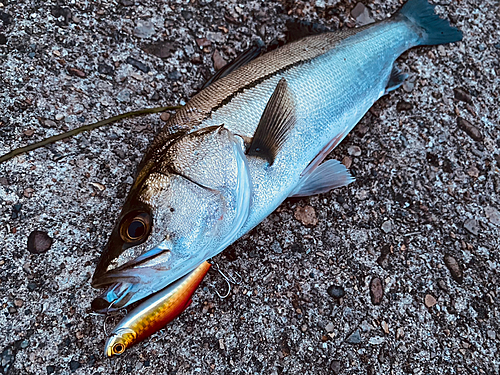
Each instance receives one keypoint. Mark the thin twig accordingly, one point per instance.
(71, 133)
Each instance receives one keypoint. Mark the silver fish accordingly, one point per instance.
(248, 141)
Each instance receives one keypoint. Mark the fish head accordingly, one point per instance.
(173, 223)
(178, 214)
(119, 340)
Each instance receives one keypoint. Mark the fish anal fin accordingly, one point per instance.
(275, 124)
(323, 153)
(396, 79)
(329, 175)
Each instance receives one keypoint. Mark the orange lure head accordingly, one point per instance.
(120, 340)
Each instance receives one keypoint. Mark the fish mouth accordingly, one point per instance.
(140, 278)
(155, 259)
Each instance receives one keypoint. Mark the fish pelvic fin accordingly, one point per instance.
(275, 124)
(431, 29)
(329, 175)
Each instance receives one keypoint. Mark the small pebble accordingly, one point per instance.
(306, 215)
(429, 300)
(442, 284)
(163, 50)
(336, 367)
(354, 338)
(39, 242)
(330, 327)
(454, 267)
(470, 129)
(144, 29)
(124, 96)
(59, 116)
(493, 215)
(462, 95)
(187, 15)
(387, 226)
(50, 123)
(408, 86)
(376, 291)
(105, 69)
(404, 106)
(218, 60)
(377, 340)
(361, 14)
(74, 365)
(472, 226)
(336, 291)
(155, 97)
(385, 326)
(347, 161)
(165, 116)
(354, 151)
(18, 302)
(491, 334)
(203, 42)
(174, 75)
(137, 64)
(473, 172)
(76, 72)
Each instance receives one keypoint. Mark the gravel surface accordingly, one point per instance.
(396, 274)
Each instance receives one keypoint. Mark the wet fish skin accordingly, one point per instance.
(155, 313)
(332, 80)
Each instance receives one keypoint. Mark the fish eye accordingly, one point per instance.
(135, 227)
(118, 348)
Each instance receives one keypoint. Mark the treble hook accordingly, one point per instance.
(228, 279)
(107, 314)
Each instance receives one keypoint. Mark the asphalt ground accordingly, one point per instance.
(397, 273)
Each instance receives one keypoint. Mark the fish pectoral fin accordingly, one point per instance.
(329, 175)
(275, 124)
(396, 79)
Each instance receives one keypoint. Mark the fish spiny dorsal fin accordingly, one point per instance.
(298, 29)
(275, 124)
(257, 49)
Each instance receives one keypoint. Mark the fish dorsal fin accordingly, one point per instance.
(257, 49)
(298, 29)
(275, 124)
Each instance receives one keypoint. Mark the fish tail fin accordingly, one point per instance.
(431, 29)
